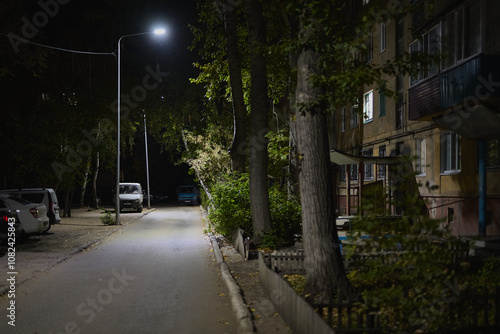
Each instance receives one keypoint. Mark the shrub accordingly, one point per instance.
(286, 218)
(231, 205)
(408, 267)
(107, 218)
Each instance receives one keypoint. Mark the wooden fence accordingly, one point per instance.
(297, 313)
(290, 262)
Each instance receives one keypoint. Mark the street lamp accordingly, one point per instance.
(147, 161)
(117, 198)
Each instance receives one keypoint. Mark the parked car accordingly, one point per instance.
(131, 196)
(46, 196)
(8, 219)
(32, 216)
(188, 195)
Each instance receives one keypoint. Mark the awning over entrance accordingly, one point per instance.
(341, 158)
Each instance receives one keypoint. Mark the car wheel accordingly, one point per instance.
(139, 210)
(47, 230)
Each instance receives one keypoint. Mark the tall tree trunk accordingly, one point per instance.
(238, 147)
(259, 193)
(85, 182)
(67, 203)
(324, 266)
(95, 200)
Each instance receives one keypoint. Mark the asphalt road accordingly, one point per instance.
(156, 276)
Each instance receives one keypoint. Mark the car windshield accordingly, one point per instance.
(129, 189)
(186, 190)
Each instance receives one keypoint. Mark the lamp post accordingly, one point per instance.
(147, 161)
(117, 198)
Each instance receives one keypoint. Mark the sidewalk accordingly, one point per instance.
(40, 253)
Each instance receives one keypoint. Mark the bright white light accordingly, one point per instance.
(159, 31)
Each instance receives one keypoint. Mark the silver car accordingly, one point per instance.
(32, 217)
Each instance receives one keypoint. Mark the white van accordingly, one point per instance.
(131, 196)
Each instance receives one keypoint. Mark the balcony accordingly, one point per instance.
(464, 99)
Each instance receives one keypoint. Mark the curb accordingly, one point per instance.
(241, 310)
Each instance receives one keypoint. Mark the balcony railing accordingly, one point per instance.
(475, 81)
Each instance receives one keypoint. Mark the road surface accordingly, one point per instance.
(156, 276)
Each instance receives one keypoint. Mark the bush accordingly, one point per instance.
(231, 205)
(231, 202)
(408, 267)
(286, 218)
(107, 218)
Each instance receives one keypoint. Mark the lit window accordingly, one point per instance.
(368, 107)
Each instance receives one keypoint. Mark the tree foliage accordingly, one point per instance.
(409, 268)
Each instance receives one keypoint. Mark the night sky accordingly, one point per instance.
(96, 26)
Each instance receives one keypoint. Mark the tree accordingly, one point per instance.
(330, 73)
(324, 266)
(238, 147)
(259, 194)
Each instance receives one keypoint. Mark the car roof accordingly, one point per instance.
(27, 189)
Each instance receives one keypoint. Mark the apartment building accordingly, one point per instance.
(446, 118)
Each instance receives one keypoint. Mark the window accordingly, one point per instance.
(369, 49)
(381, 97)
(354, 117)
(354, 172)
(462, 33)
(420, 157)
(428, 45)
(381, 168)
(382, 36)
(400, 37)
(493, 153)
(368, 167)
(342, 173)
(399, 101)
(342, 120)
(368, 107)
(451, 155)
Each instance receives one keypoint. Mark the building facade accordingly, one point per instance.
(445, 119)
